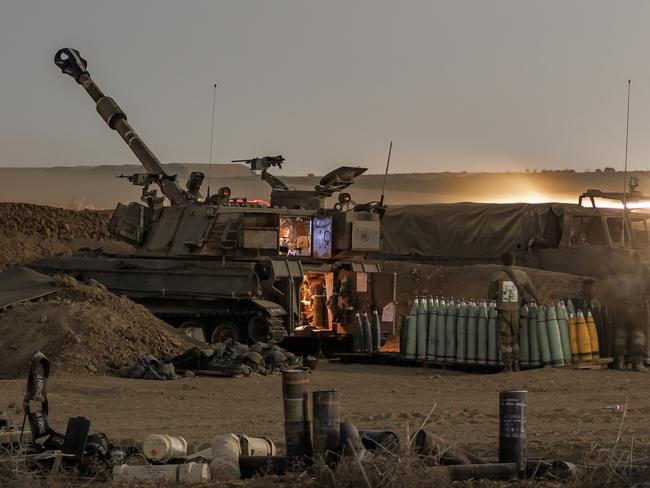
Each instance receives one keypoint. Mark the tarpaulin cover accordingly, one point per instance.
(471, 230)
(19, 284)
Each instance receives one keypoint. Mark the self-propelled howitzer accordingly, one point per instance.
(234, 267)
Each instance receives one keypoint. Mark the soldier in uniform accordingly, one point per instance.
(508, 287)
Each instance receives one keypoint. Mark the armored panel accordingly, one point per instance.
(130, 222)
(259, 238)
(365, 236)
(159, 239)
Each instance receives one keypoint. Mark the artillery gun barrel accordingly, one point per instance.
(71, 63)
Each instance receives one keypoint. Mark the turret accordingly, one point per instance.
(71, 63)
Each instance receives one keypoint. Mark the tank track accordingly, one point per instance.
(277, 330)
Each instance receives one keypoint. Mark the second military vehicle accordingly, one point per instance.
(227, 267)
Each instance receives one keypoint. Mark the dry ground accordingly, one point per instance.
(568, 409)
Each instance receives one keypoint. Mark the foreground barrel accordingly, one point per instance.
(431, 336)
(512, 427)
(327, 421)
(297, 426)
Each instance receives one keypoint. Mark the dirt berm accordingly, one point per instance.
(84, 329)
(30, 231)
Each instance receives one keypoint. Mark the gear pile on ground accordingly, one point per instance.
(237, 359)
(149, 368)
(30, 231)
(84, 329)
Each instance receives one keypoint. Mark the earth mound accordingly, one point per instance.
(30, 231)
(83, 328)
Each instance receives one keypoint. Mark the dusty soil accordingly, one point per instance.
(83, 329)
(569, 411)
(30, 231)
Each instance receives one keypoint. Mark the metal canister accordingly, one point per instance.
(492, 336)
(431, 336)
(256, 446)
(411, 337)
(450, 332)
(482, 334)
(358, 341)
(472, 336)
(524, 342)
(367, 333)
(441, 329)
(422, 328)
(381, 440)
(376, 331)
(327, 421)
(554, 337)
(542, 337)
(461, 333)
(533, 337)
(512, 427)
(297, 425)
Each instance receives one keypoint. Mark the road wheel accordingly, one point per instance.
(224, 331)
(258, 329)
(193, 329)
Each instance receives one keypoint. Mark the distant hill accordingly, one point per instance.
(99, 187)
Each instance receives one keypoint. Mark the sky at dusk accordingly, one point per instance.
(457, 85)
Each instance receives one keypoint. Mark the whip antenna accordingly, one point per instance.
(383, 187)
(214, 96)
(627, 133)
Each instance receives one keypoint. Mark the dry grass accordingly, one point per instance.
(619, 464)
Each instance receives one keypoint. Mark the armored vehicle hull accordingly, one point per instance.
(229, 267)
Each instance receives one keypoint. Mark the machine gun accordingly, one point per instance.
(263, 164)
(71, 63)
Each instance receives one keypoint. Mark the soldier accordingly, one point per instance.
(509, 288)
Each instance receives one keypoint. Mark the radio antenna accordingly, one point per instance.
(214, 97)
(383, 187)
(627, 134)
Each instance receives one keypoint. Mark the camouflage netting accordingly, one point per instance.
(84, 329)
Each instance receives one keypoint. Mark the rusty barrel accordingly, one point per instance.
(512, 427)
(326, 420)
(297, 425)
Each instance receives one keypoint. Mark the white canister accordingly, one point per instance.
(163, 447)
(226, 449)
(257, 446)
